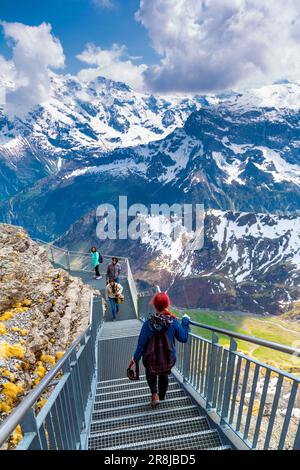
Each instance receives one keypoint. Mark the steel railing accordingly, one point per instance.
(132, 287)
(78, 261)
(257, 402)
(64, 420)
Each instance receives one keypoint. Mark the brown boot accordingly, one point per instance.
(154, 399)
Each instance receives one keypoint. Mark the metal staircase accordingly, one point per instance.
(123, 419)
(218, 398)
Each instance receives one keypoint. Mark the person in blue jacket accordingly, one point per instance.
(95, 259)
(162, 318)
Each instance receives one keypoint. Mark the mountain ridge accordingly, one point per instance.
(234, 153)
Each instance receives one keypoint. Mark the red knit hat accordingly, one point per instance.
(161, 301)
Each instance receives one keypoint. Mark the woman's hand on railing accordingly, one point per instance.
(185, 319)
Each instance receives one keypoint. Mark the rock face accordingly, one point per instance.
(42, 311)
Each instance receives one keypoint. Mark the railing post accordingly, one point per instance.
(187, 360)
(29, 426)
(211, 371)
(297, 439)
(68, 261)
(52, 255)
(228, 381)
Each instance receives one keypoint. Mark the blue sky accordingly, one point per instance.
(77, 22)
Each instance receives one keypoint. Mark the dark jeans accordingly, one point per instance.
(97, 270)
(163, 381)
(113, 306)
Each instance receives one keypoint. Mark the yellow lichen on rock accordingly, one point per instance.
(8, 374)
(2, 329)
(11, 350)
(40, 371)
(48, 359)
(22, 332)
(16, 436)
(20, 310)
(41, 403)
(11, 392)
(10, 313)
(6, 316)
(4, 407)
(59, 355)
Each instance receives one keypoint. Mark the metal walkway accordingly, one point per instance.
(127, 310)
(122, 416)
(123, 419)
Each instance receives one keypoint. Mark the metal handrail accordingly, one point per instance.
(226, 382)
(10, 424)
(250, 339)
(122, 258)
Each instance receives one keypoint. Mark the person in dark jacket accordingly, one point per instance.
(114, 270)
(161, 319)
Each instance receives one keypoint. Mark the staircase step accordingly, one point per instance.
(131, 400)
(221, 448)
(128, 384)
(131, 421)
(140, 407)
(120, 329)
(202, 440)
(113, 382)
(129, 392)
(147, 433)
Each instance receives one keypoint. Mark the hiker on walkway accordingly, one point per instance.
(156, 344)
(112, 292)
(96, 260)
(113, 270)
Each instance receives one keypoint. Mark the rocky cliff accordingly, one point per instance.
(42, 311)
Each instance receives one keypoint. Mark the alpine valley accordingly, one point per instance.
(236, 153)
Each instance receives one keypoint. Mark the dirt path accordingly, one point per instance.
(282, 327)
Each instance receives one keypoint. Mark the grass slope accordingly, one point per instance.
(277, 329)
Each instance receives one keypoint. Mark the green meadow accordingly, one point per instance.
(271, 328)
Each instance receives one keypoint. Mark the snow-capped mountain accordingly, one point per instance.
(238, 160)
(237, 153)
(248, 262)
(280, 95)
(85, 120)
(82, 120)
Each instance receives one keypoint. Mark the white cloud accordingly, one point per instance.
(7, 76)
(35, 51)
(209, 45)
(112, 63)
